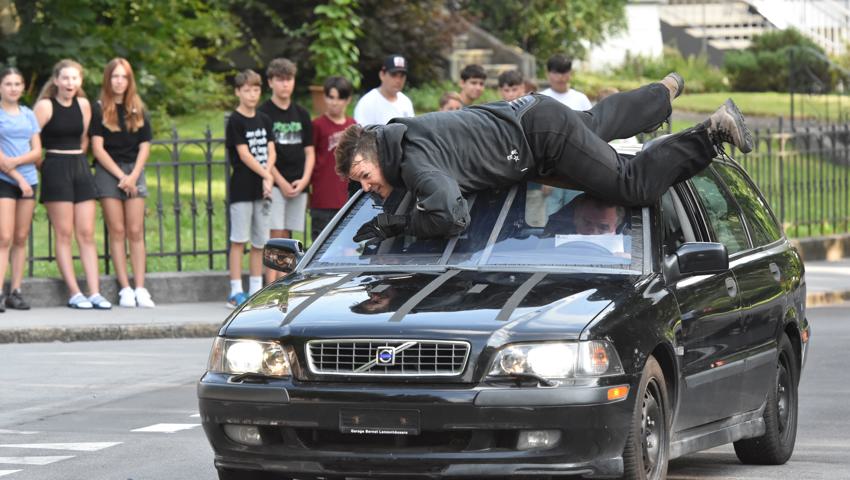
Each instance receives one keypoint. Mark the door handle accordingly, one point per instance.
(774, 270)
(731, 287)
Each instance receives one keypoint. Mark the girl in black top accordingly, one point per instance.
(67, 185)
(121, 141)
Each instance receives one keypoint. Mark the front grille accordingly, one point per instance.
(387, 357)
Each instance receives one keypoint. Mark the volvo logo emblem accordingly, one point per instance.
(385, 356)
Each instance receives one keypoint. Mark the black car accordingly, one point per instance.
(558, 335)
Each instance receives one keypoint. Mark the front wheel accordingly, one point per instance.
(780, 416)
(648, 445)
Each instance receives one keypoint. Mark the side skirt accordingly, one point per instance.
(721, 432)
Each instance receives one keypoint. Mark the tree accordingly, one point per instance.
(545, 27)
(168, 42)
(333, 49)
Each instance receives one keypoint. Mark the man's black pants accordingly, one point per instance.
(574, 146)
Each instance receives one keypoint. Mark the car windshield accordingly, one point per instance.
(526, 227)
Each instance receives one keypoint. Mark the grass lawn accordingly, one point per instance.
(770, 104)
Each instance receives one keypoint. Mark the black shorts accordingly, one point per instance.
(8, 190)
(66, 177)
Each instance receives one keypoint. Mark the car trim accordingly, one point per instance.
(421, 294)
(518, 296)
(544, 397)
(316, 295)
(312, 367)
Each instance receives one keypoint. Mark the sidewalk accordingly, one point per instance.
(827, 283)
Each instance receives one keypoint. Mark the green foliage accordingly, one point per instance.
(335, 31)
(700, 76)
(170, 43)
(764, 65)
(545, 27)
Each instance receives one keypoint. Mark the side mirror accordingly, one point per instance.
(282, 254)
(696, 258)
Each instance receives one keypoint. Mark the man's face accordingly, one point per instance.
(472, 88)
(593, 219)
(560, 82)
(249, 95)
(282, 87)
(392, 83)
(369, 175)
(511, 92)
(335, 106)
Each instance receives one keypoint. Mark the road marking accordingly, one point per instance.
(16, 432)
(78, 447)
(167, 427)
(197, 415)
(34, 460)
(7, 472)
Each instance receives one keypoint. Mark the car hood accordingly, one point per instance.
(437, 305)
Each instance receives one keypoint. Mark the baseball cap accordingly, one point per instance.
(395, 63)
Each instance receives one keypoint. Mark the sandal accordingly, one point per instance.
(80, 301)
(99, 302)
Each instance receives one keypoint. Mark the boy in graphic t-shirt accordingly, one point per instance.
(330, 191)
(293, 141)
(248, 139)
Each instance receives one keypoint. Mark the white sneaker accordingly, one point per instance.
(127, 298)
(143, 298)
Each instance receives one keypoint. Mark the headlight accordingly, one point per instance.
(558, 360)
(249, 356)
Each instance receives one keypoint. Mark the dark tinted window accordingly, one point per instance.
(674, 235)
(762, 225)
(722, 212)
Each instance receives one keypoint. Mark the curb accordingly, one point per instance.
(109, 332)
(826, 299)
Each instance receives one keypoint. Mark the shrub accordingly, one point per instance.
(700, 76)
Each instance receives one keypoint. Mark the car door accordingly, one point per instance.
(710, 311)
(759, 272)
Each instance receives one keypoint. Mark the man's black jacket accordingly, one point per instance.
(441, 156)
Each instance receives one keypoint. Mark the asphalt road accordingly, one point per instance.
(127, 410)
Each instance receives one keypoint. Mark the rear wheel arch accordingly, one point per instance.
(792, 331)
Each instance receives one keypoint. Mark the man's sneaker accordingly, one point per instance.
(99, 302)
(727, 124)
(236, 299)
(127, 298)
(16, 301)
(80, 301)
(143, 298)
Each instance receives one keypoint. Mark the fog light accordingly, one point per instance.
(531, 439)
(244, 434)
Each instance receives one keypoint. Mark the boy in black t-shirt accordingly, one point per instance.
(252, 155)
(293, 140)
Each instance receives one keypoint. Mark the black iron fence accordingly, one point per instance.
(803, 172)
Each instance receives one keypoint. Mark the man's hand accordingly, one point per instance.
(381, 227)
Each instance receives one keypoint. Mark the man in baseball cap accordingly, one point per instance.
(382, 104)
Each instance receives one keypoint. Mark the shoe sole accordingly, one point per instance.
(746, 135)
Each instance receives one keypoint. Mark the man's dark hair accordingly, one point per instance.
(559, 63)
(341, 84)
(281, 67)
(473, 71)
(355, 140)
(510, 78)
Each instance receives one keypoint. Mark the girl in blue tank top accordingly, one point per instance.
(20, 148)
(67, 184)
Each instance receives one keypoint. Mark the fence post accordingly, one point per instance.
(208, 160)
(175, 163)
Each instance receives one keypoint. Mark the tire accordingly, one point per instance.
(228, 474)
(780, 415)
(648, 444)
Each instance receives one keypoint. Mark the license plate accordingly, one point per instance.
(379, 422)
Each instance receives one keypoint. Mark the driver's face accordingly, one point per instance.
(370, 176)
(595, 220)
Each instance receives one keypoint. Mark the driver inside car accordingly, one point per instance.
(586, 215)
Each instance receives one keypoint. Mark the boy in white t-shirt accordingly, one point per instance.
(559, 69)
(382, 104)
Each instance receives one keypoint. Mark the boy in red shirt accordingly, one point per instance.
(330, 192)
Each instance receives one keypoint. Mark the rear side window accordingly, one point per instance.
(722, 212)
(762, 224)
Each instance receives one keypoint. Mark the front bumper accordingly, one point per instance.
(464, 430)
